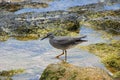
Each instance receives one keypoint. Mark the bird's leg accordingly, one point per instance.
(65, 55)
(60, 54)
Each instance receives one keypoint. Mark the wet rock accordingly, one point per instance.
(10, 6)
(109, 55)
(38, 24)
(110, 26)
(7, 75)
(105, 20)
(14, 6)
(35, 5)
(66, 71)
(86, 8)
(95, 15)
(11, 1)
(55, 19)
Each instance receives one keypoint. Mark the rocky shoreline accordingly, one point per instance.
(37, 24)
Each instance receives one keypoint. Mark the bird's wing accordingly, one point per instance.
(64, 40)
(69, 40)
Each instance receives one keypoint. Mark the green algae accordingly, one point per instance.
(109, 54)
(113, 13)
(110, 26)
(32, 33)
(117, 75)
(11, 72)
(66, 71)
(7, 75)
(107, 21)
(10, 7)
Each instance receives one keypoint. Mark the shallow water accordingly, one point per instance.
(65, 4)
(35, 55)
(58, 5)
(92, 36)
(112, 7)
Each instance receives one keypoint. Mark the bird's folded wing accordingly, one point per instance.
(66, 40)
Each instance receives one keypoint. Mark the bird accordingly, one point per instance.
(63, 42)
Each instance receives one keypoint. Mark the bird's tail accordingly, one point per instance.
(81, 40)
(83, 36)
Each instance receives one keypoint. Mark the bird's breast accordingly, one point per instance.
(55, 44)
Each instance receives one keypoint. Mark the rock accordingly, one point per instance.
(110, 26)
(109, 54)
(86, 8)
(38, 24)
(66, 71)
(14, 6)
(35, 5)
(105, 20)
(7, 75)
(10, 6)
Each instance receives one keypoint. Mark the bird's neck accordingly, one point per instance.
(51, 37)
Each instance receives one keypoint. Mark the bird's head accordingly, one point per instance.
(49, 35)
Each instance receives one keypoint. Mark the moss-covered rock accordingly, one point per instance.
(104, 14)
(117, 75)
(14, 6)
(86, 8)
(35, 5)
(7, 75)
(10, 7)
(110, 26)
(100, 19)
(104, 20)
(66, 71)
(38, 24)
(109, 54)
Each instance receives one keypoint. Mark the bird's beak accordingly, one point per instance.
(44, 37)
(84, 40)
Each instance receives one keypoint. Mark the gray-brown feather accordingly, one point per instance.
(65, 42)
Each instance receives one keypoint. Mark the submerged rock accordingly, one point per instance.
(66, 71)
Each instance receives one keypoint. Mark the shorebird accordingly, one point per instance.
(63, 42)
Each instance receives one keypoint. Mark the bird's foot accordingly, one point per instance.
(57, 57)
